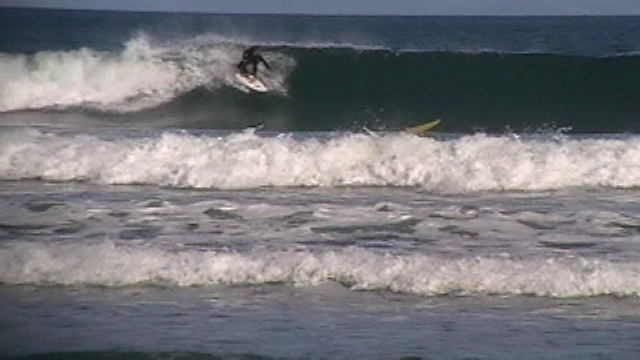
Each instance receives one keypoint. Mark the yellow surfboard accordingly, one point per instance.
(424, 128)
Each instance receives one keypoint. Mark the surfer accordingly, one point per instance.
(251, 57)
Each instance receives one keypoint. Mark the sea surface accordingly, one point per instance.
(153, 208)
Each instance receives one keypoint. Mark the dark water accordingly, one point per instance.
(580, 35)
(487, 91)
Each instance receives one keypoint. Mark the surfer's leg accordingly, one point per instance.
(242, 66)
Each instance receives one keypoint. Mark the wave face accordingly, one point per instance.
(335, 74)
(332, 89)
(488, 91)
(248, 161)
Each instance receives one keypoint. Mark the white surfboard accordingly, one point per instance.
(251, 82)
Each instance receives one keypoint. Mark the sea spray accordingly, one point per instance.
(142, 76)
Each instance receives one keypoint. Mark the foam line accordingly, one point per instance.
(110, 264)
(246, 160)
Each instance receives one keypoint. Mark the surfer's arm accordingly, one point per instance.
(262, 60)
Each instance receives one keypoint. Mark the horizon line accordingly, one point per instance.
(300, 13)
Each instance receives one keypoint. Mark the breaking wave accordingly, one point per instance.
(249, 160)
(110, 264)
(142, 76)
(328, 87)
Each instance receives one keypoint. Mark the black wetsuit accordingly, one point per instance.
(250, 56)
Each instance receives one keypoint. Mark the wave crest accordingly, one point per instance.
(142, 76)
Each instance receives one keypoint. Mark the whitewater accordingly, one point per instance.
(139, 77)
(248, 160)
(152, 207)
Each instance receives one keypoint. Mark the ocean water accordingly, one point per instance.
(150, 207)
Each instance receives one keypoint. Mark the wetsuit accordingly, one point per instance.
(251, 57)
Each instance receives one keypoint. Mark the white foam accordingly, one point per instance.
(109, 264)
(141, 76)
(246, 160)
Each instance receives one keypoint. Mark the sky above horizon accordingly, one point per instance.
(354, 7)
